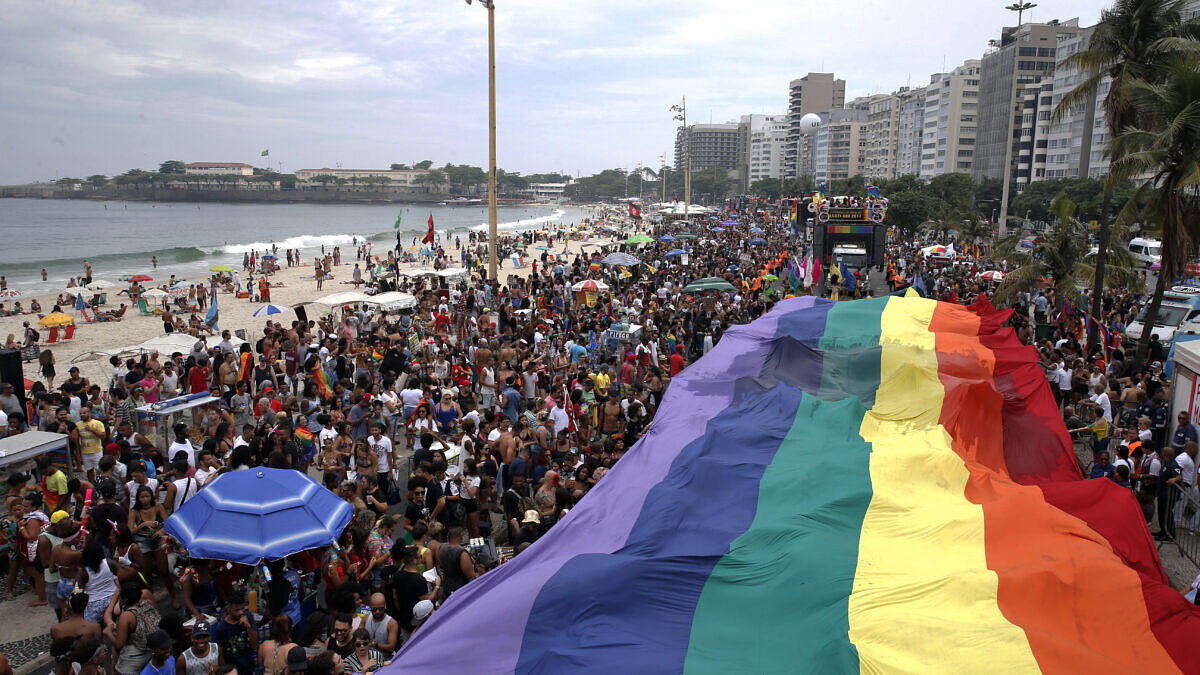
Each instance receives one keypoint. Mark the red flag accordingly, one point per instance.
(635, 211)
(429, 235)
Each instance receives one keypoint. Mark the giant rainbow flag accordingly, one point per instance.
(881, 486)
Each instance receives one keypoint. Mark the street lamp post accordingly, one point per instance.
(1019, 8)
(492, 189)
(681, 115)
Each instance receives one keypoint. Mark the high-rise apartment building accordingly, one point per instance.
(1022, 57)
(708, 145)
(814, 93)
(840, 144)
(911, 122)
(883, 135)
(764, 148)
(951, 119)
(1075, 144)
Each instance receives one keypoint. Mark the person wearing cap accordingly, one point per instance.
(61, 526)
(1185, 431)
(421, 612)
(297, 660)
(528, 530)
(159, 642)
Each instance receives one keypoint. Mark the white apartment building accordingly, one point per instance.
(396, 177)
(951, 114)
(911, 122)
(894, 126)
(1074, 145)
(883, 136)
(218, 168)
(840, 145)
(816, 93)
(766, 146)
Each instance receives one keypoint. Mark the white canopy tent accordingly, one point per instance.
(163, 344)
(343, 298)
(393, 300)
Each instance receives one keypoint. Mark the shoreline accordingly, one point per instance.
(298, 287)
(315, 196)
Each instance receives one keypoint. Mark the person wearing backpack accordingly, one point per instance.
(455, 563)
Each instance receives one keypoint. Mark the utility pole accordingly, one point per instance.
(492, 190)
(662, 178)
(681, 115)
(1019, 8)
(641, 180)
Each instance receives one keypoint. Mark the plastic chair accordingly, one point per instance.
(70, 332)
(53, 334)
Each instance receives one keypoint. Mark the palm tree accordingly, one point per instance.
(1061, 257)
(1165, 146)
(1127, 45)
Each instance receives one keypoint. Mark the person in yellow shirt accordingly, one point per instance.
(601, 380)
(91, 441)
(54, 484)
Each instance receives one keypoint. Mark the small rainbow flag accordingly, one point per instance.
(324, 388)
(307, 441)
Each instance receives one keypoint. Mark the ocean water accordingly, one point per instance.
(120, 238)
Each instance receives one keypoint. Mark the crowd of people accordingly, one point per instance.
(460, 431)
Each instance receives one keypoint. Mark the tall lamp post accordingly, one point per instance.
(492, 189)
(681, 115)
(1019, 8)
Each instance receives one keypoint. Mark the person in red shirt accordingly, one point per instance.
(440, 321)
(198, 378)
(677, 361)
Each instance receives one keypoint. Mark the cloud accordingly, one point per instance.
(580, 85)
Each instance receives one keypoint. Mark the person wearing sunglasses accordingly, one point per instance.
(365, 658)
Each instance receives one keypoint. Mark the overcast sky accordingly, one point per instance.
(583, 85)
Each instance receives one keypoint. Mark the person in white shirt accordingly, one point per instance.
(1144, 432)
(558, 416)
(206, 468)
(382, 447)
(1099, 399)
(185, 486)
(181, 444)
(410, 396)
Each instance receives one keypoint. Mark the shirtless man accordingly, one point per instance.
(506, 445)
(228, 372)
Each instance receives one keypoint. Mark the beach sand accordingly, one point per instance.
(298, 286)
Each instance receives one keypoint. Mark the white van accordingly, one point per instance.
(855, 257)
(1180, 305)
(1145, 251)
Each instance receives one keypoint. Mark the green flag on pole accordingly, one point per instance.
(398, 215)
(264, 153)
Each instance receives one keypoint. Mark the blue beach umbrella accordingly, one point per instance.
(674, 253)
(756, 230)
(758, 241)
(715, 228)
(269, 309)
(259, 514)
(667, 237)
(620, 259)
(80, 305)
